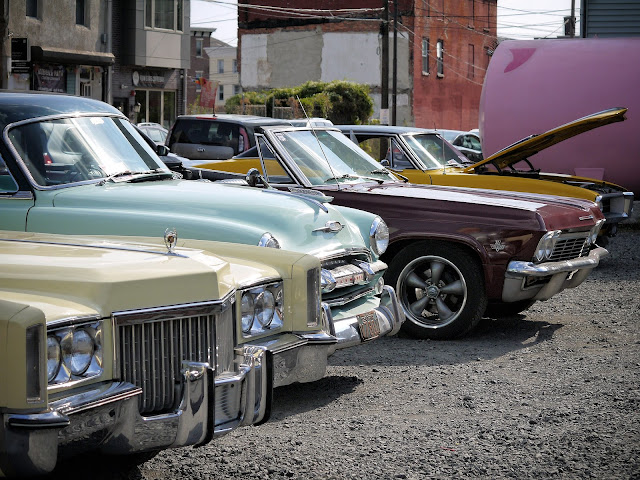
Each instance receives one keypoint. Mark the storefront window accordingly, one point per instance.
(169, 109)
(155, 106)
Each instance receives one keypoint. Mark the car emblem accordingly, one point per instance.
(170, 239)
(498, 246)
(331, 226)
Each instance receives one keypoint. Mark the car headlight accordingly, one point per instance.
(74, 352)
(262, 308)
(598, 201)
(379, 236)
(54, 356)
(269, 241)
(546, 245)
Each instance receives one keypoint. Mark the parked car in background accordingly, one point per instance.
(423, 156)
(102, 353)
(155, 131)
(209, 137)
(310, 122)
(454, 253)
(77, 166)
(469, 144)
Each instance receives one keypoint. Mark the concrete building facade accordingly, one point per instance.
(223, 69)
(442, 51)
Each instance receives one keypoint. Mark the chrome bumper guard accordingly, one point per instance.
(105, 417)
(554, 276)
(304, 357)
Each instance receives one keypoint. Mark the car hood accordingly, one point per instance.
(197, 209)
(531, 145)
(67, 276)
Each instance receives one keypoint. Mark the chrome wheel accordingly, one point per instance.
(433, 291)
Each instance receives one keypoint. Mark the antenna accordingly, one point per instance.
(444, 168)
(313, 130)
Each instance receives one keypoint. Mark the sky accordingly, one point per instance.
(517, 19)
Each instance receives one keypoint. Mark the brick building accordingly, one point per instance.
(442, 46)
(199, 65)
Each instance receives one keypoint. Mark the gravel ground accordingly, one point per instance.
(551, 393)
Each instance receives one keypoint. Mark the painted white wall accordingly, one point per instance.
(255, 70)
(351, 56)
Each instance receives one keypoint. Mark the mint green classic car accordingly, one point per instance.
(127, 346)
(73, 165)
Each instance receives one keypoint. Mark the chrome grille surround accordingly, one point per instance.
(570, 245)
(151, 345)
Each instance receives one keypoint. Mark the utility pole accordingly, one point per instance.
(384, 97)
(395, 62)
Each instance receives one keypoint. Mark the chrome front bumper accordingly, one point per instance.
(304, 357)
(105, 417)
(552, 277)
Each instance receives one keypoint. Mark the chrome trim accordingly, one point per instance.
(263, 281)
(18, 195)
(552, 277)
(23, 166)
(71, 321)
(306, 198)
(330, 255)
(155, 313)
(340, 301)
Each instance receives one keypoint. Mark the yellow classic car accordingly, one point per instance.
(424, 156)
(128, 345)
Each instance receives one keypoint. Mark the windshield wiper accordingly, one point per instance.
(357, 177)
(151, 175)
(145, 175)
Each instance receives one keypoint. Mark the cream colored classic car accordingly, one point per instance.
(126, 345)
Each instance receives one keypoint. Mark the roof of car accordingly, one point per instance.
(389, 129)
(23, 106)
(240, 119)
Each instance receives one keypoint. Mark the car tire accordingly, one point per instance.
(499, 310)
(441, 290)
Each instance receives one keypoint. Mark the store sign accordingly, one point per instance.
(19, 55)
(148, 79)
(50, 78)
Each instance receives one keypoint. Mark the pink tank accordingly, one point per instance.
(533, 86)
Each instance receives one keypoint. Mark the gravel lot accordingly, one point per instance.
(552, 393)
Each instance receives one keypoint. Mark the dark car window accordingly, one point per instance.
(209, 132)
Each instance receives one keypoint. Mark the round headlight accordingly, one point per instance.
(247, 312)
(546, 245)
(379, 286)
(269, 241)
(81, 352)
(379, 236)
(265, 308)
(54, 357)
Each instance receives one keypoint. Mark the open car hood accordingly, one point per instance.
(532, 144)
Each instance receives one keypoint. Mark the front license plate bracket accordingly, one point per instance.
(368, 326)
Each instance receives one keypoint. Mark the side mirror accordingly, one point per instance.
(385, 162)
(162, 150)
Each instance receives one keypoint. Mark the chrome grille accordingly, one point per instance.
(570, 245)
(153, 343)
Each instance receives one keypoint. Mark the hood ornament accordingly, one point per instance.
(331, 226)
(170, 239)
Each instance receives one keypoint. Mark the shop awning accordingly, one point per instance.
(78, 57)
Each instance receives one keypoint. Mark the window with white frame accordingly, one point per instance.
(199, 43)
(234, 66)
(163, 14)
(220, 66)
(425, 56)
(220, 92)
(440, 57)
(236, 89)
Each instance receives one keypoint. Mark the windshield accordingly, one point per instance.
(434, 151)
(71, 150)
(331, 158)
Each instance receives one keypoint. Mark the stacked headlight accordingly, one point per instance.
(269, 241)
(262, 308)
(546, 245)
(379, 236)
(74, 352)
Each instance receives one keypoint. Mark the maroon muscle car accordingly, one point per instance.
(454, 253)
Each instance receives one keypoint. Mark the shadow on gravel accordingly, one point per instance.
(96, 467)
(492, 338)
(303, 397)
